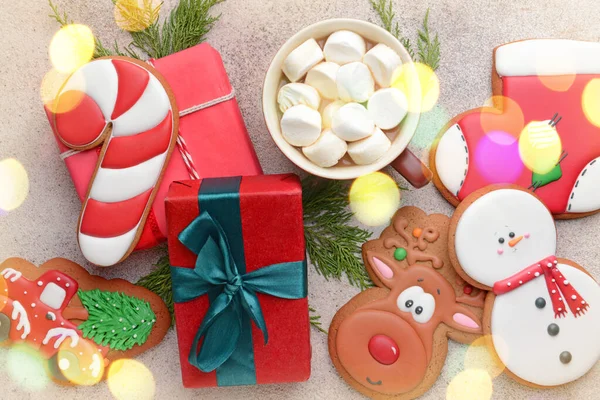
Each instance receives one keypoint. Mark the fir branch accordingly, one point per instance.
(315, 320)
(429, 49)
(159, 282)
(333, 246)
(387, 15)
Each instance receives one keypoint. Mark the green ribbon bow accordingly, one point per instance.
(233, 294)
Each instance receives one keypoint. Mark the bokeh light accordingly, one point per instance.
(4, 295)
(71, 47)
(591, 101)
(27, 368)
(136, 15)
(430, 86)
(510, 119)
(565, 63)
(540, 146)
(374, 198)
(559, 83)
(480, 356)
(52, 83)
(130, 379)
(470, 384)
(81, 365)
(14, 184)
(497, 157)
(430, 125)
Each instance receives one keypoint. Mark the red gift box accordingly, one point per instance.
(210, 124)
(267, 213)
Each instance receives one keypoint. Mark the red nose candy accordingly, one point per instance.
(383, 349)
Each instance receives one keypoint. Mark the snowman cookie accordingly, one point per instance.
(543, 315)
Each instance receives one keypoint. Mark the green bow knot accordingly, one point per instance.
(233, 294)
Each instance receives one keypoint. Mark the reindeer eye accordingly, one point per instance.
(408, 303)
(419, 310)
(425, 307)
(408, 297)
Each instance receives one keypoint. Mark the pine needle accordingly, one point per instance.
(159, 282)
(387, 15)
(333, 246)
(429, 49)
(315, 320)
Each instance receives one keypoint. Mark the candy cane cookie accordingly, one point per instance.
(126, 107)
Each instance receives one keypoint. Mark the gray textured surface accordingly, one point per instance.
(247, 36)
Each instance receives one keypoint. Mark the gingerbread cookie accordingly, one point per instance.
(126, 109)
(78, 322)
(391, 341)
(543, 316)
(542, 133)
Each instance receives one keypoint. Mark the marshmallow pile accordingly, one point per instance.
(344, 102)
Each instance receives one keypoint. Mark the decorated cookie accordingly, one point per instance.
(391, 341)
(77, 322)
(542, 134)
(543, 316)
(124, 107)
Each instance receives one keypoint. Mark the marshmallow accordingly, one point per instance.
(343, 47)
(329, 111)
(355, 82)
(387, 107)
(371, 149)
(327, 150)
(301, 125)
(322, 77)
(293, 94)
(302, 59)
(383, 63)
(352, 122)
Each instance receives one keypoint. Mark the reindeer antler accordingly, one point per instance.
(416, 244)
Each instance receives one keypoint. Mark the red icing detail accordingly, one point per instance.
(132, 81)
(81, 125)
(383, 349)
(559, 289)
(128, 151)
(467, 289)
(113, 219)
(538, 103)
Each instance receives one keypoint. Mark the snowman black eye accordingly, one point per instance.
(512, 234)
(501, 240)
(409, 303)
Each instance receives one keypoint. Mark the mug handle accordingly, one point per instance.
(412, 169)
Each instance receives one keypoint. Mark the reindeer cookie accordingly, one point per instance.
(543, 316)
(391, 341)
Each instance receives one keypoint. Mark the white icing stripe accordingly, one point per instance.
(548, 57)
(585, 196)
(113, 185)
(106, 251)
(62, 334)
(11, 274)
(452, 159)
(150, 109)
(20, 313)
(103, 91)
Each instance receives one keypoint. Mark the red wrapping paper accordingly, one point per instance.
(196, 76)
(273, 232)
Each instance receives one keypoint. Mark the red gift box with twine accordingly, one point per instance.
(211, 129)
(240, 242)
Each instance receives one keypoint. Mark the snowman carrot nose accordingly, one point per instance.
(514, 242)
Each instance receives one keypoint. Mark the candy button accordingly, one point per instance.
(553, 329)
(467, 289)
(565, 357)
(383, 349)
(540, 302)
(400, 254)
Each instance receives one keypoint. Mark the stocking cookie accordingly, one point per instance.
(543, 316)
(125, 108)
(77, 322)
(541, 135)
(391, 341)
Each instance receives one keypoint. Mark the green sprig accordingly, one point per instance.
(159, 282)
(387, 15)
(429, 49)
(332, 244)
(315, 320)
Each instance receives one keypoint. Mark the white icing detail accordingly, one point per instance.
(293, 94)
(150, 110)
(53, 296)
(33, 306)
(451, 159)
(63, 364)
(539, 57)
(96, 365)
(11, 274)
(52, 316)
(585, 196)
(302, 59)
(521, 341)
(327, 150)
(40, 283)
(412, 293)
(62, 334)
(102, 91)
(323, 77)
(427, 302)
(383, 63)
(352, 122)
(106, 251)
(369, 149)
(114, 185)
(495, 214)
(355, 82)
(20, 313)
(537, 274)
(343, 47)
(301, 125)
(387, 107)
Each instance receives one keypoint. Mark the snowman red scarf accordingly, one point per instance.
(558, 287)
